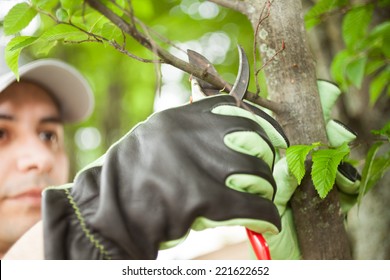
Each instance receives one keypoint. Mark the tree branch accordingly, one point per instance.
(168, 58)
(237, 5)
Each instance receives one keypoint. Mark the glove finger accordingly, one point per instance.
(271, 127)
(286, 185)
(284, 245)
(347, 178)
(329, 93)
(338, 133)
(251, 184)
(252, 175)
(254, 212)
(251, 143)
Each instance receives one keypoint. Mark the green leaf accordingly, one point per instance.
(338, 68)
(355, 24)
(118, 7)
(45, 4)
(378, 85)
(71, 5)
(385, 131)
(355, 71)
(18, 18)
(62, 14)
(111, 32)
(373, 169)
(296, 156)
(42, 48)
(13, 50)
(324, 169)
(63, 32)
(313, 16)
(374, 65)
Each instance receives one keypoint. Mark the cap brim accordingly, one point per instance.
(65, 83)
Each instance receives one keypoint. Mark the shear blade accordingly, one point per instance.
(242, 81)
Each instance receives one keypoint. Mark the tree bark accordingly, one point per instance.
(291, 82)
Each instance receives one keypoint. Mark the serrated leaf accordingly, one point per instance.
(338, 68)
(355, 24)
(71, 5)
(296, 156)
(384, 131)
(374, 65)
(13, 50)
(379, 38)
(18, 18)
(63, 32)
(42, 48)
(378, 85)
(313, 16)
(355, 71)
(324, 169)
(373, 169)
(111, 32)
(45, 4)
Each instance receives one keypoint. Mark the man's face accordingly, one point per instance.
(32, 157)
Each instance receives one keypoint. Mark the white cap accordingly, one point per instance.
(68, 87)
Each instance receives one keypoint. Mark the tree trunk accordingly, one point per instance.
(291, 81)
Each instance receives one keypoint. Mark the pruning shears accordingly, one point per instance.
(201, 88)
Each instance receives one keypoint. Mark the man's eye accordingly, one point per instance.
(3, 134)
(48, 136)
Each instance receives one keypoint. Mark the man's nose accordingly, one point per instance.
(35, 155)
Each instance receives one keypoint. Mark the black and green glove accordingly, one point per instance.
(197, 166)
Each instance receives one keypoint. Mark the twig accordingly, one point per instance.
(282, 48)
(236, 5)
(260, 21)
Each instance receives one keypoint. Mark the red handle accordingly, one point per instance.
(259, 245)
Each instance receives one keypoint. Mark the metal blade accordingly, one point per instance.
(242, 81)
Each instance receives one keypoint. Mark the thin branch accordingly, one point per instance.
(168, 58)
(156, 64)
(260, 21)
(237, 5)
(282, 48)
(129, 54)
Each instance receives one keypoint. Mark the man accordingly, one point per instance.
(197, 166)
(32, 152)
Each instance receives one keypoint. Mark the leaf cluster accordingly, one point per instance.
(366, 54)
(377, 162)
(66, 21)
(325, 162)
(367, 43)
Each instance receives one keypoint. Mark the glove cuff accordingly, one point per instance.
(66, 234)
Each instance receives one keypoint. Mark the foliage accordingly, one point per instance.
(325, 163)
(124, 86)
(367, 44)
(375, 166)
(366, 57)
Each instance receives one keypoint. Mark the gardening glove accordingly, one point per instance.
(285, 244)
(197, 166)
(347, 176)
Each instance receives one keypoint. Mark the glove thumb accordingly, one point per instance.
(286, 185)
(328, 95)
